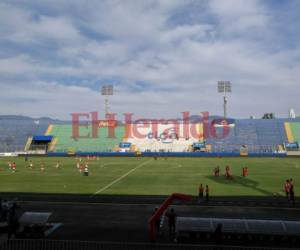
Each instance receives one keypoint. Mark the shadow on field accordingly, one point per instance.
(240, 181)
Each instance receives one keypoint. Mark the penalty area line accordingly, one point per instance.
(121, 177)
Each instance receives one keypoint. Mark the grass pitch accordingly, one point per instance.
(147, 176)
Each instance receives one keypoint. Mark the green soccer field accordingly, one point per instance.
(146, 176)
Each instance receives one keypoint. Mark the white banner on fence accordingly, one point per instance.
(8, 154)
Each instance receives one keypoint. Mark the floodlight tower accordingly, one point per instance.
(224, 87)
(106, 91)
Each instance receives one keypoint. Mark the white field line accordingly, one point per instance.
(122, 177)
(178, 166)
(112, 163)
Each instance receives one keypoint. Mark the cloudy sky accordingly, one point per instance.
(163, 56)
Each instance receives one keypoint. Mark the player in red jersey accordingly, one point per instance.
(227, 172)
(217, 171)
(246, 171)
(81, 167)
(292, 193)
(287, 189)
(13, 167)
(200, 193)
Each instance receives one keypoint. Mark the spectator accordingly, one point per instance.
(292, 193)
(1, 209)
(287, 189)
(12, 220)
(218, 234)
(207, 193)
(157, 222)
(172, 221)
(200, 193)
(5, 207)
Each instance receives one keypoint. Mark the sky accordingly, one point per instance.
(163, 57)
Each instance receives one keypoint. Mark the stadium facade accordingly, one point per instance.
(238, 136)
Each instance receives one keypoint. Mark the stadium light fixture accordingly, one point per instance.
(106, 91)
(224, 87)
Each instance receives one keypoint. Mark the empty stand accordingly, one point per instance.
(269, 134)
(65, 142)
(14, 132)
(246, 132)
(281, 129)
(259, 135)
(295, 130)
(221, 143)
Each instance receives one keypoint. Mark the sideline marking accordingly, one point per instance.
(171, 165)
(178, 166)
(122, 177)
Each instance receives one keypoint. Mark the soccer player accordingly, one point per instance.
(244, 172)
(57, 165)
(227, 171)
(200, 193)
(30, 165)
(86, 170)
(217, 171)
(287, 189)
(43, 169)
(81, 168)
(14, 167)
(292, 193)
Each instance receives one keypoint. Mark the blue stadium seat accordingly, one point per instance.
(259, 135)
(14, 132)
